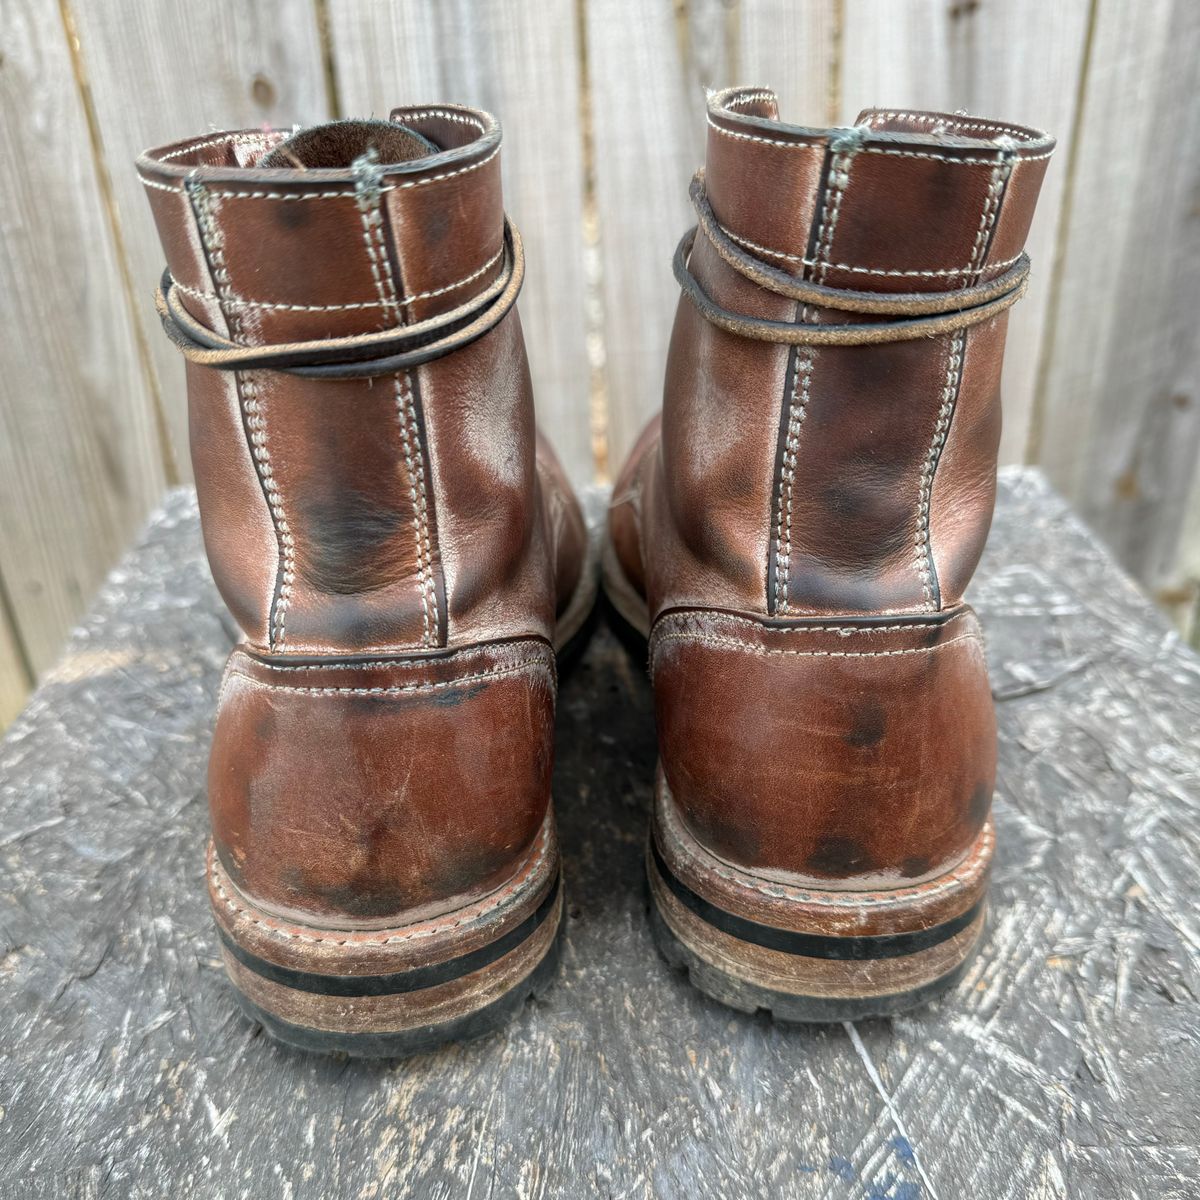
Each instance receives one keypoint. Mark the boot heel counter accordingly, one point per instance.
(360, 790)
(833, 750)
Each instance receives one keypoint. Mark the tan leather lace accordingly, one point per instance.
(381, 352)
(924, 314)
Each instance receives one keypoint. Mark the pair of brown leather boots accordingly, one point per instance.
(406, 559)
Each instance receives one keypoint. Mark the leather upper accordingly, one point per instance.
(803, 519)
(857, 479)
(396, 547)
(362, 515)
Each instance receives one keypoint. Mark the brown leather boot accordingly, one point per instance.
(795, 533)
(404, 557)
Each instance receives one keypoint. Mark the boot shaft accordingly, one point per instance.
(850, 479)
(357, 515)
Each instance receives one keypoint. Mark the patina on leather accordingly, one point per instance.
(795, 531)
(397, 543)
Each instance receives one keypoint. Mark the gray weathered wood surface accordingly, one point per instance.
(1066, 1065)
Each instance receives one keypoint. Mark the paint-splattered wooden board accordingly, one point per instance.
(1065, 1065)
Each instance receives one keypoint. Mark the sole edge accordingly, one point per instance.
(785, 1007)
(469, 1027)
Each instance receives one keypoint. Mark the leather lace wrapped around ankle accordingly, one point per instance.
(382, 352)
(921, 314)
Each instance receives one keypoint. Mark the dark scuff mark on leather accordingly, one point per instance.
(979, 805)
(451, 696)
(870, 725)
(351, 544)
(734, 838)
(915, 867)
(839, 855)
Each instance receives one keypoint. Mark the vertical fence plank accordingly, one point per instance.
(794, 49)
(826, 61)
(81, 460)
(647, 107)
(1121, 425)
(14, 680)
(1182, 593)
(155, 74)
(520, 62)
(1017, 61)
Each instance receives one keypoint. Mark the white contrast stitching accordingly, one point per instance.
(366, 195)
(926, 572)
(240, 303)
(991, 209)
(415, 464)
(797, 411)
(753, 137)
(228, 139)
(962, 876)
(839, 180)
(841, 630)
(837, 266)
(160, 187)
(527, 871)
(399, 689)
(974, 162)
(929, 119)
(752, 98)
(373, 664)
(460, 118)
(487, 266)
(785, 652)
(924, 550)
(339, 195)
(256, 426)
(367, 174)
(966, 161)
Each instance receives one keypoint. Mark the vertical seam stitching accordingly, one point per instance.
(368, 198)
(952, 380)
(839, 178)
(924, 558)
(248, 398)
(414, 461)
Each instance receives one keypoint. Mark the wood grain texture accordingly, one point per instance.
(80, 459)
(155, 78)
(794, 49)
(647, 106)
(1120, 431)
(519, 61)
(15, 682)
(1017, 61)
(1064, 1065)
(648, 117)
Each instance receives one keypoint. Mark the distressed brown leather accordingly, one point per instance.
(397, 549)
(802, 521)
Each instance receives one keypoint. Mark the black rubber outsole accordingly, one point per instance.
(786, 1007)
(405, 1043)
(840, 947)
(413, 980)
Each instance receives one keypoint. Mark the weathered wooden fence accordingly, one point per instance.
(602, 103)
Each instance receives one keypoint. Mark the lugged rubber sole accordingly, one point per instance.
(490, 1018)
(401, 990)
(803, 954)
(747, 997)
